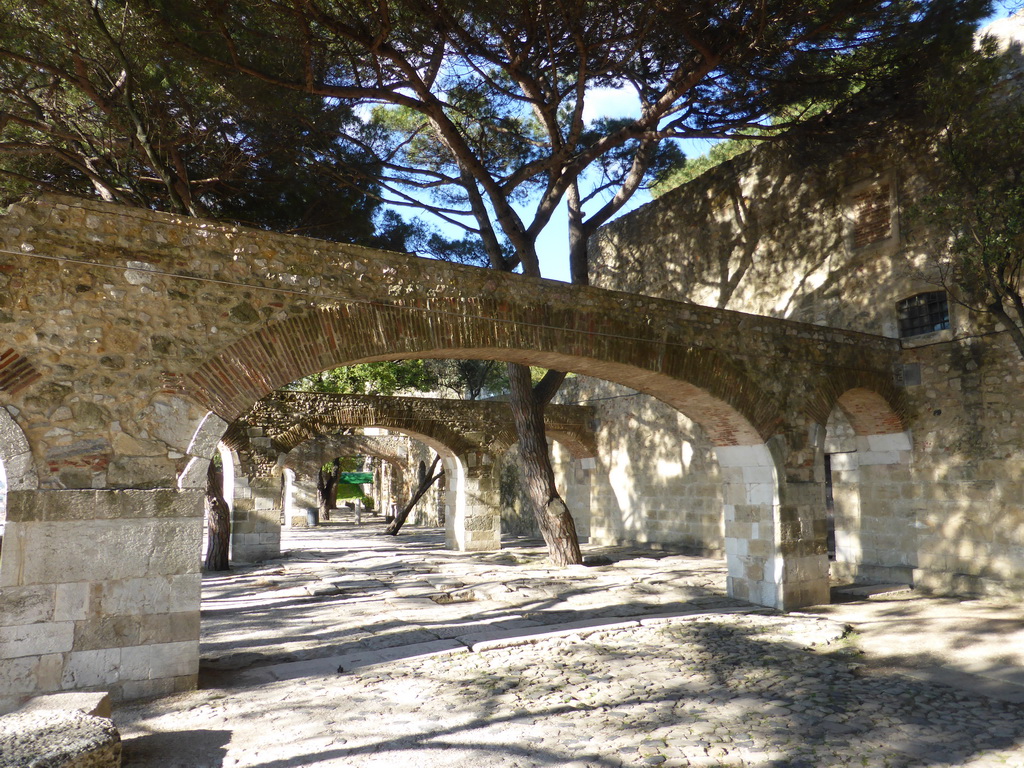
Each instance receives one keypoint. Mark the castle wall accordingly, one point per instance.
(824, 234)
(655, 479)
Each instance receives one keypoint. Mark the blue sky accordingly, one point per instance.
(553, 241)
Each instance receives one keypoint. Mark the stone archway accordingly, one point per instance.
(17, 473)
(866, 458)
(395, 452)
(196, 321)
(16, 455)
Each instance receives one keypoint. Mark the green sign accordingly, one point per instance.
(356, 478)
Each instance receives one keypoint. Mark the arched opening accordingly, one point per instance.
(662, 479)
(223, 468)
(389, 455)
(16, 473)
(730, 408)
(866, 465)
(696, 380)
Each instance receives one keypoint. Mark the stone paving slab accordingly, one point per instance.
(687, 678)
(734, 690)
(489, 641)
(347, 662)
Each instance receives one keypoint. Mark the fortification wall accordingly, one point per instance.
(822, 233)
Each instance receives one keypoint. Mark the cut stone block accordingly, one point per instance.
(56, 739)
(94, 703)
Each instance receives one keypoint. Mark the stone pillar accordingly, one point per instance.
(100, 589)
(299, 499)
(473, 512)
(803, 532)
(256, 520)
(774, 531)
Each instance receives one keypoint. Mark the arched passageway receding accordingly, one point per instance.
(391, 458)
(197, 321)
(867, 465)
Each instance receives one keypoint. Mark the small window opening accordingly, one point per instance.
(923, 313)
(872, 215)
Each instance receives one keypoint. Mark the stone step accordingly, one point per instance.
(95, 703)
(58, 738)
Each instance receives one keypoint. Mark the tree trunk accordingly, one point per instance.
(326, 486)
(218, 517)
(553, 518)
(427, 479)
(1012, 328)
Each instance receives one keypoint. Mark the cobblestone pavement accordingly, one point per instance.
(717, 687)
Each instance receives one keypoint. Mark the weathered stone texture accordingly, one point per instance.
(87, 575)
(929, 494)
(51, 738)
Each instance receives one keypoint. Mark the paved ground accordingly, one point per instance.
(362, 650)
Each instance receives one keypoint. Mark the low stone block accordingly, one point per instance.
(72, 601)
(37, 639)
(132, 596)
(106, 632)
(91, 669)
(18, 676)
(95, 703)
(153, 662)
(56, 739)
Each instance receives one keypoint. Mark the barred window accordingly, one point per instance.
(923, 313)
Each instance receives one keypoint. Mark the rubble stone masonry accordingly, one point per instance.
(132, 338)
(824, 236)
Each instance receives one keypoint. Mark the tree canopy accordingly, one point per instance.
(95, 101)
(381, 378)
(975, 198)
(479, 110)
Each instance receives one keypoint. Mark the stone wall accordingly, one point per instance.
(572, 479)
(942, 504)
(655, 478)
(131, 338)
(76, 617)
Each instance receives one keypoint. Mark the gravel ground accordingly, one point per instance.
(714, 688)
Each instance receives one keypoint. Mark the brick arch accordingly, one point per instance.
(441, 437)
(577, 448)
(874, 405)
(318, 451)
(701, 382)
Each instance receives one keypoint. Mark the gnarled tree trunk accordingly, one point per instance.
(218, 516)
(427, 479)
(326, 486)
(553, 518)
